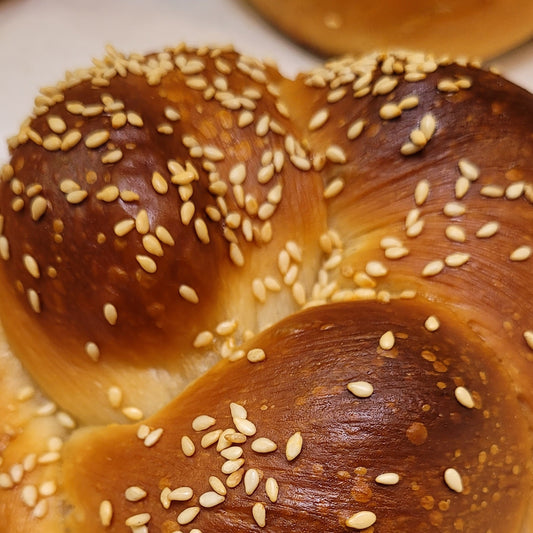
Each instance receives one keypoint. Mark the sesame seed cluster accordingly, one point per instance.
(352, 251)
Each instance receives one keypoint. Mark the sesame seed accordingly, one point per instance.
(515, 190)
(114, 395)
(210, 499)
(70, 139)
(421, 192)
(97, 139)
(110, 313)
(68, 186)
(31, 266)
(29, 495)
(189, 294)
(361, 520)
(188, 515)
(231, 466)
(259, 514)
(92, 350)
(134, 119)
(217, 485)
(152, 245)
(456, 259)
(453, 479)
(210, 438)
(123, 227)
(409, 102)
(201, 230)
(134, 494)
(113, 156)
(432, 323)
(164, 235)
(318, 119)
(153, 437)
(52, 143)
(390, 111)
(203, 422)
(335, 154)
(387, 340)
(433, 268)
(132, 413)
(272, 489)
(256, 355)
(146, 263)
(294, 446)
(300, 162)
(236, 254)
(388, 478)
(455, 233)
(106, 513)
(464, 397)
(334, 188)
(244, 426)
(428, 125)
(468, 169)
(361, 389)
(187, 446)
(226, 327)
(263, 445)
(118, 120)
(454, 209)
(521, 253)
(171, 114)
(251, 481)
(108, 194)
(203, 339)
(142, 222)
(410, 148)
(492, 191)
(447, 85)
(181, 494)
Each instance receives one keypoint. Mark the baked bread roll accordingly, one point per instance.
(328, 277)
(451, 27)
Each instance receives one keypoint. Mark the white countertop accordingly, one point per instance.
(41, 39)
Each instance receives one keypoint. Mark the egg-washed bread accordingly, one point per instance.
(471, 28)
(368, 223)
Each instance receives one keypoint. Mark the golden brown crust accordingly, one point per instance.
(390, 177)
(453, 27)
(416, 423)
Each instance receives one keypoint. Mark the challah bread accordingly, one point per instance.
(159, 212)
(457, 27)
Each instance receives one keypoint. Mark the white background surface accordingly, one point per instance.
(41, 39)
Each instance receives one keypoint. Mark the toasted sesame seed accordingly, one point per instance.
(335, 154)
(153, 437)
(522, 253)
(189, 294)
(164, 236)
(410, 148)
(31, 266)
(428, 125)
(203, 422)
(146, 263)
(409, 102)
(70, 139)
(201, 230)
(236, 254)
(132, 413)
(361, 389)
(106, 513)
(318, 119)
(387, 340)
(454, 209)
(300, 162)
(142, 222)
(468, 169)
(52, 143)
(388, 478)
(492, 191)
(76, 197)
(256, 355)
(390, 111)
(217, 485)
(110, 313)
(455, 233)
(447, 85)
(453, 479)
(134, 119)
(232, 465)
(97, 138)
(417, 137)
(181, 494)
(67, 186)
(294, 446)
(244, 426)
(456, 259)
(92, 350)
(421, 192)
(361, 520)
(134, 494)
(123, 227)
(210, 499)
(259, 514)
(433, 268)
(152, 245)
(272, 489)
(187, 446)
(464, 397)
(263, 445)
(108, 194)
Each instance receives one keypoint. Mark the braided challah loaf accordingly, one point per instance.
(289, 305)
